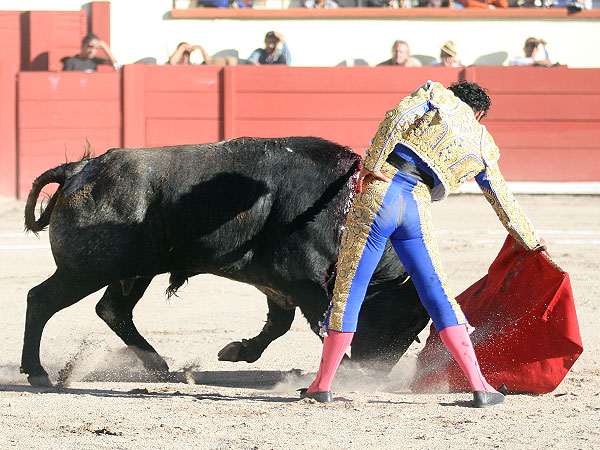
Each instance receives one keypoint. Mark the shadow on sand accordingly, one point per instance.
(244, 379)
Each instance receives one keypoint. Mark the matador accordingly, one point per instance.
(425, 148)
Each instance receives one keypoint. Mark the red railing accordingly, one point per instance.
(546, 121)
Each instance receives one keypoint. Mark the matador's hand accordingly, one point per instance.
(541, 247)
(365, 173)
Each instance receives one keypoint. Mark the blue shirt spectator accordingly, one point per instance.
(275, 52)
(224, 4)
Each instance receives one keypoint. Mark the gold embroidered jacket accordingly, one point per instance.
(442, 130)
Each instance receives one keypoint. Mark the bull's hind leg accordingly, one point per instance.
(116, 309)
(61, 290)
(278, 323)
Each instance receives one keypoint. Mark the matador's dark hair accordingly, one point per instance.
(473, 95)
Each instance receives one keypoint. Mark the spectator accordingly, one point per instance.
(87, 60)
(275, 52)
(320, 4)
(485, 4)
(448, 55)
(183, 56)
(401, 56)
(573, 5)
(438, 4)
(396, 4)
(532, 54)
(225, 4)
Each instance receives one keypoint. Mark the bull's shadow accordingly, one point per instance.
(238, 196)
(244, 379)
(144, 393)
(207, 206)
(284, 229)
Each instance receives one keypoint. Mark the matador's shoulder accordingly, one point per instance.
(405, 112)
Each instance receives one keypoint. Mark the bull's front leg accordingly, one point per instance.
(279, 321)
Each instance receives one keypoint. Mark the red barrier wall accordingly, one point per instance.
(342, 104)
(33, 40)
(166, 105)
(546, 121)
(10, 62)
(100, 20)
(10, 38)
(51, 36)
(58, 112)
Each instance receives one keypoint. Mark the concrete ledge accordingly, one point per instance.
(384, 13)
(538, 187)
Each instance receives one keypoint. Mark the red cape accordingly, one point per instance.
(526, 330)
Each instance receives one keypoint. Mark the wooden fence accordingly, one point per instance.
(546, 121)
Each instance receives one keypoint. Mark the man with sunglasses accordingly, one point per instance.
(426, 147)
(533, 49)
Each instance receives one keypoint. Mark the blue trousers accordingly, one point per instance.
(399, 211)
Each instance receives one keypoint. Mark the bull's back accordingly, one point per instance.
(197, 205)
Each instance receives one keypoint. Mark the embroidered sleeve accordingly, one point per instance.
(509, 211)
(382, 143)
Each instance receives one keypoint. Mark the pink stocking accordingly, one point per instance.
(458, 341)
(334, 347)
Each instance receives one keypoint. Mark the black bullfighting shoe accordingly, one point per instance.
(320, 396)
(481, 399)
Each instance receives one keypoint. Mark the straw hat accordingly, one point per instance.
(450, 48)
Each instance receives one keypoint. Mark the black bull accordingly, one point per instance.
(267, 212)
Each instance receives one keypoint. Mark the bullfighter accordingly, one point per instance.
(425, 148)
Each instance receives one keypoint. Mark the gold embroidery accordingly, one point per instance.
(447, 137)
(354, 237)
(422, 196)
(450, 144)
(508, 209)
(467, 168)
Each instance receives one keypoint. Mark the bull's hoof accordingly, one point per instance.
(237, 351)
(39, 380)
(163, 376)
(152, 362)
(157, 368)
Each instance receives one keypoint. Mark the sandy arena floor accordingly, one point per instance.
(109, 403)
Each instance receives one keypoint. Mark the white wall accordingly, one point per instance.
(143, 28)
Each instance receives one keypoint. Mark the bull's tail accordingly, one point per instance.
(58, 175)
